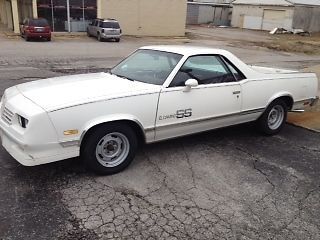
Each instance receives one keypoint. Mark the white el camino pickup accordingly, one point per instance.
(157, 93)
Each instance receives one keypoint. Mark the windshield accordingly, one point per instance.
(148, 66)
(110, 25)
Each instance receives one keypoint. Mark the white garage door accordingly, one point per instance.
(251, 22)
(273, 19)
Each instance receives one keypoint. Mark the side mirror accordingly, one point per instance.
(190, 83)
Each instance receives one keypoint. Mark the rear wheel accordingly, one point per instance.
(117, 39)
(109, 148)
(26, 38)
(273, 119)
(49, 39)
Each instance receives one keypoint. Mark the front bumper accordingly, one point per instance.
(18, 150)
(13, 147)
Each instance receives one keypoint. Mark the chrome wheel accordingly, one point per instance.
(112, 149)
(276, 117)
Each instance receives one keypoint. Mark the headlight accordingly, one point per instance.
(23, 121)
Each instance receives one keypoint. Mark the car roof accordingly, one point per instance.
(186, 50)
(107, 19)
(35, 19)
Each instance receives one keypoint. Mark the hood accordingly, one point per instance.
(60, 92)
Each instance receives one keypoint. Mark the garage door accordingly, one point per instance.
(273, 19)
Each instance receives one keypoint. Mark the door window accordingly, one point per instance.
(236, 73)
(206, 69)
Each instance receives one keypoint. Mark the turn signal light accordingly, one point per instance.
(71, 132)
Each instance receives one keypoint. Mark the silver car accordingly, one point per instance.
(105, 29)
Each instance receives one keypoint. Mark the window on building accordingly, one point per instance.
(81, 13)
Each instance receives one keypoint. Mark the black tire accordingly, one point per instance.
(117, 39)
(100, 39)
(100, 139)
(269, 123)
(49, 39)
(26, 38)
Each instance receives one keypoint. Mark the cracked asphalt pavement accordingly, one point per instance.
(231, 183)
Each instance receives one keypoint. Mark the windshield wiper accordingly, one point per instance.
(124, 77)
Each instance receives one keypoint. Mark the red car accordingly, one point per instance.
(35, 28)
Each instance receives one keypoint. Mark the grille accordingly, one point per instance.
(7, 115)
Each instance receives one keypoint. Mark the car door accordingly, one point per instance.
(94, 28)
(214, 102)
(90, 27)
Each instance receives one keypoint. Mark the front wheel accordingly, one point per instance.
(100, 39)
(273, 119)
(109, 148)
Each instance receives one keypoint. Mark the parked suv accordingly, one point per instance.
(104, 29)
(35, 28)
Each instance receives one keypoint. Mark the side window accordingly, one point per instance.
(97, 23)
(206, 69)
(236, 73)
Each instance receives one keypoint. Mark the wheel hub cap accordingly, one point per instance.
(276, 117)
(112, 149)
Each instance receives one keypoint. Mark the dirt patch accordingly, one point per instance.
(309, 120)
(294, 43)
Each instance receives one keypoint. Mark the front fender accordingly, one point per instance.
(110, 118)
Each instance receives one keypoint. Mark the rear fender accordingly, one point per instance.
(279, 95)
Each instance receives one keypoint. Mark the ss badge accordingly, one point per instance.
(184, 113)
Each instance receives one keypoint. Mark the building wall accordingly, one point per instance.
(208, 13)
(252, 17)
(307, 18)
(192, 14)
(6, 14)
(3, 12)
(14, 11)
(213, 1)
(147, 17)
(214, 14)
(25, 9)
